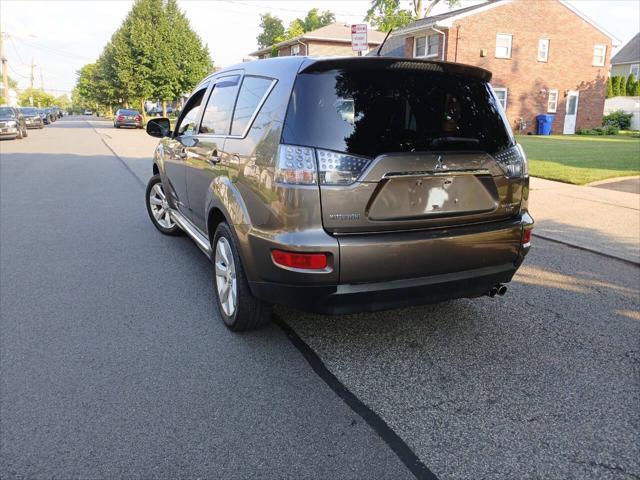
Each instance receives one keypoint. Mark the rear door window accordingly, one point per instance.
(217, 113)
(368, 112)
(251, 96)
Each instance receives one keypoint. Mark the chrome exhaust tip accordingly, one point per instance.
(502, 289)
(493, 292)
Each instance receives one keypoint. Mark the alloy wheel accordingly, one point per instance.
(160, 207)
(226, 282)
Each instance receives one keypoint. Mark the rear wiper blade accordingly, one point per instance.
(437, 142)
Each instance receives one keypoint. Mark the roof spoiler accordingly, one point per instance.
(394, 63)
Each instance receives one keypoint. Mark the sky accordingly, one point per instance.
(60, 36)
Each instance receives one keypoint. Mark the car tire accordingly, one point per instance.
(158, 207)
(244, 312)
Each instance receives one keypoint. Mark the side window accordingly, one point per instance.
(217, 113)
(189, 118)
(250, 98)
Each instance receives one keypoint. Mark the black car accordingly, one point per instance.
(12, 124)
(31, 117)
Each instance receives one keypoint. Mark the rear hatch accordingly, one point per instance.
(404, 144)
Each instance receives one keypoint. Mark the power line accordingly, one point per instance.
(292, 10)
(52, 50)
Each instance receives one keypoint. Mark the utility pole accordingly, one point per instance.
(33, 66)
(5, 66)
(41, 79)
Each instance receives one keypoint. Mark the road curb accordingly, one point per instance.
(587, 249)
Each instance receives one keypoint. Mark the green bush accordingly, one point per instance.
(615, 85)
(606, 130)
(618, 119)
(631, 85)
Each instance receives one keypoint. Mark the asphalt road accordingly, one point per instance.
(113, 363)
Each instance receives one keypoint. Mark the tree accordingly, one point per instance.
(631, 85)
(40, 98)
(615, 84)
(63, 102)
(387, 14)
(12, 85)
(271, 29)
(622, 88)
(184, 60)
(154, 54)
(609, 87)
(636, 90)
(313, 20)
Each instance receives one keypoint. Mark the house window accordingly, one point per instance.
(599, 55)
(635, 70)
(426, 46)
(501, 96)
(552, 102)
(543, 50)
(503, 45)
(295, 50)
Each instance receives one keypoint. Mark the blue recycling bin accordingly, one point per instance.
(545, 122)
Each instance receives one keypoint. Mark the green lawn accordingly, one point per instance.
(581, 159)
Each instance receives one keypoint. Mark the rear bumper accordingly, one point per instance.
(413, 268)
(128, 124)
(369, 297)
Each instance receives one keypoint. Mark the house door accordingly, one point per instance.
(571, 113)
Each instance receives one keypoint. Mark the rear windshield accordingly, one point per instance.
(29, 111)
(128, 112)
(370, 112)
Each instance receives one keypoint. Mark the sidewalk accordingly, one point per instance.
(593, 218)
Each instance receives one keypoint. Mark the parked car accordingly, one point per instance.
(158, 110)
(12, 123)
(44, 116)
(88, 112)
(127, 118)
(52, 116)
(344, 185)
(31, 117)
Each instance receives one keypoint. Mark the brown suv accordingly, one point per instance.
(342, 185)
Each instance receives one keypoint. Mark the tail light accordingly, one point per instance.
(120, 117)
(138, 118)
(304, 261)
(526, 238)
(339, 168)
(513, 162)
(296, 165)
(306, 166)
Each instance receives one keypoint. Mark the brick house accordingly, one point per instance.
(545, 56)
(328, 41)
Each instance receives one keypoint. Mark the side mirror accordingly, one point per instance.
(159, 127)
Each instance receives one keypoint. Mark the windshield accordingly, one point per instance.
(29, 111)
(7, 112)
(373, 111)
